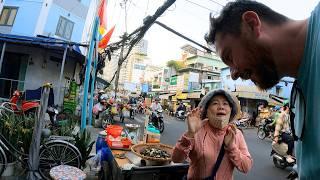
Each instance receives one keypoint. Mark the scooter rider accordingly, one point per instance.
(181, 107)
(155, 106)
(282, 131)
(132, 102)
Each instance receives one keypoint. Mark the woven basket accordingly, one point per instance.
(136, 149)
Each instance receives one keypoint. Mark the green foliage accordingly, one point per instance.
(84, 143)
(177, 65)
(17, 129)
(65, 126)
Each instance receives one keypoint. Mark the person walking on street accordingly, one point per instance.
(211, 141)
(260, 44)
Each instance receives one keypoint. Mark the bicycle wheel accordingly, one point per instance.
(3, 161)
(57, 153)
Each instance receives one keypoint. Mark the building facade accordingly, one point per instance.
(49, 21)
(53, 18)
(250, 96)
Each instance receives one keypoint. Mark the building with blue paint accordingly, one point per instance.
(30, 65)
(249, 95)
(53, 18)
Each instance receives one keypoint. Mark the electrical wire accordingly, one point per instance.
(201, 6)
(216, 2)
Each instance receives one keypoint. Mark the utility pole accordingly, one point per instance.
(121, 59)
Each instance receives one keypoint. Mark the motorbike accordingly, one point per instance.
(264, 130)
(156, 119)
(133, 110)
(293, 175)
(279, 156)
(181, 115)
(52, 112)
(18, 105)
(106, 118)
(243, 123)
(141, 109)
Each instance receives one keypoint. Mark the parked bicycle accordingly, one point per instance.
(53, 152)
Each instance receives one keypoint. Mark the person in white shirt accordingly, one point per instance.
(155, 106)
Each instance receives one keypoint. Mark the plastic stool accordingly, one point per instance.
(65, 172)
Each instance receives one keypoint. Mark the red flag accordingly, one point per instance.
(101, 14)
(104, 41)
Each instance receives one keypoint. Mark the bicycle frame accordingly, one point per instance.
(9, 148)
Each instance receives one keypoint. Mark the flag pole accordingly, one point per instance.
(93, 78)
(87, 74)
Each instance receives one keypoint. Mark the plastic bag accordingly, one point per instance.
(114, 110)
(95, 162)
(126, 113)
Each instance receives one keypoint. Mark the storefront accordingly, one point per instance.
(195, 98)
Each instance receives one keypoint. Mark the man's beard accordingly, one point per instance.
(265, 72)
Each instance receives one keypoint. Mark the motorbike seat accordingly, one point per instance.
(280, 148)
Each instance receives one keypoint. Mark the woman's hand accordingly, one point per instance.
(230, 135)
(194, 122)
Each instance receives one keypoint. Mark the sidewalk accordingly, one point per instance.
(92, 175)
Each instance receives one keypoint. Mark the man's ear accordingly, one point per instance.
(252, 21)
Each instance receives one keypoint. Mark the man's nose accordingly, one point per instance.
(234, 73)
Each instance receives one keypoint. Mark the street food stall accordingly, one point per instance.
(127, 165)
(141, 159)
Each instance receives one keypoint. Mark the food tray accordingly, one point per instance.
(138, 147)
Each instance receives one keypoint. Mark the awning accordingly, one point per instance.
(165, 96)
(44, 42)
(182, 96)
(134, 95)
(251, 95)
(256, 95)
(194, 95)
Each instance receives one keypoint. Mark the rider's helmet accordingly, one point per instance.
(157, 99)
(103, 101)
(111, 101)
(101, 91)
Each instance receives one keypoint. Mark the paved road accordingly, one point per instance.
(263, 168)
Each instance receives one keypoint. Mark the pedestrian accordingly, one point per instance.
(265, 46)
(212, 140)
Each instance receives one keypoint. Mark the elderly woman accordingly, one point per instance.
(214, 145)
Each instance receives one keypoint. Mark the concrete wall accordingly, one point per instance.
(26, 18)
(37, 74)
(214, 62)
(52, 22)
(228, 83)
(42, 16)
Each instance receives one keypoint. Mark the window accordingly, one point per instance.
(140, 67)
(8, 16)
(64, 28)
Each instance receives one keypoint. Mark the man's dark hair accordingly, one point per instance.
(229, 20)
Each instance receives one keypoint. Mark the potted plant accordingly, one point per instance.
(84, 143)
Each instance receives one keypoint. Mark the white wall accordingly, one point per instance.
(1, 4)
(36, 75)
(43, 18)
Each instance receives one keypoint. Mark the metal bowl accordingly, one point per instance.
(132, 126)
(136, 149)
